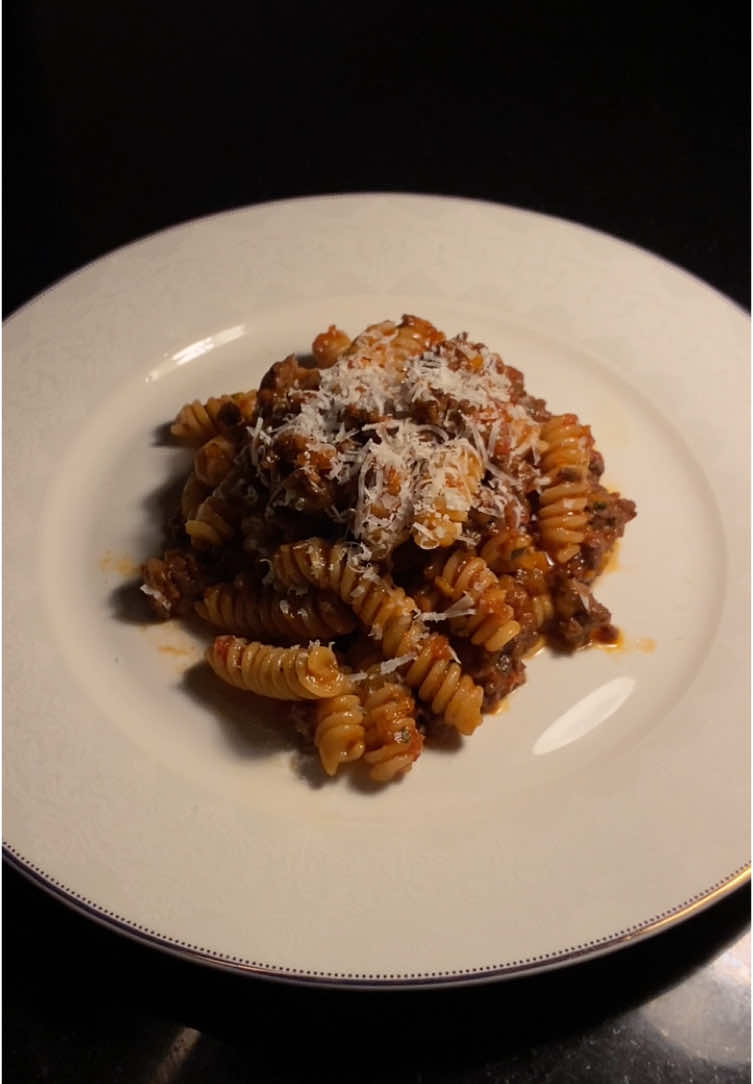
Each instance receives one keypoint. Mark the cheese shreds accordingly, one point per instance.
(389, 665)
(156, 594)
(386, 667)
(390, 442)
(403, 494)
(462, 607)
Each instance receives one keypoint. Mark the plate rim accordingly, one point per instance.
(354, 980)
(392, 194)
(555, 958)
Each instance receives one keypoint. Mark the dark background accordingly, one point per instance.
(122, 119)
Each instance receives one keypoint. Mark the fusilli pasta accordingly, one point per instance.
(339, 731)
(282, 673)
(266, 614)
(194, 492)
(196, 422)
(213, 460)
(389, 345)
(392, 739)
(445, 491)
(218, 517)
(328, 346)
(513, 553)
(400, 497)
(492, 623)
(173, 582)
(562, 506)
(393, 619)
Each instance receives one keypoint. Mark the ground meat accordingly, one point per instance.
(277, 390)
(498, 680)
(304, 468)
(175, 530)
(443, 410)
(173, 582)
(306, 490)
(608, 514)
(536, 408)
(229, 418)
(356, 417)
(596, 466)
(498, 673)
(578, 618)
(517, 382)
(292, 526)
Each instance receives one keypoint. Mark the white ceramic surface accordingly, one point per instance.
(610, 797)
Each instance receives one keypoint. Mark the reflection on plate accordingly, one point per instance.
(607, 800)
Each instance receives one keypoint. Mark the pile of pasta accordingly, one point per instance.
(383, 533)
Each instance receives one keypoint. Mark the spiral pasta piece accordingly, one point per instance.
(266, 614)
(428, 598)
(213, 523)
(492, 624)
(441, 683)
(445, 492)
(213, 460)
(406, 499)
(196, 422)
(392, 740)
(218, 517)
(390, 345)
(282, 673)
(543, 609)
(172, 582)
(414, 336)
(562, 514)
(392, 618)
(193, 493)
(328, 346)
(339, 730)
(510, 551)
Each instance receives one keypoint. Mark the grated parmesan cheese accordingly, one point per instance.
(386, 667)
(460, 608)
(380, 426)
(153, 592)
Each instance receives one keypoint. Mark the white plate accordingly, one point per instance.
(607, 801)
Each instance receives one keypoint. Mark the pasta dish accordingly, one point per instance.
(382, 533)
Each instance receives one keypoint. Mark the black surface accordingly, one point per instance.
(85, 1004)
(123, 119)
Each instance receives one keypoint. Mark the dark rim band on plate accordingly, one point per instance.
(239, 964)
